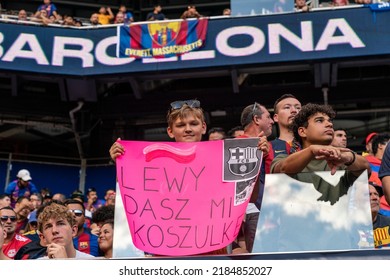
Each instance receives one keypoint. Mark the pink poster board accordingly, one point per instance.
(174, 194)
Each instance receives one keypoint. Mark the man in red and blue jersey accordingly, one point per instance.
(84, 241)
(49, 7)
(286, 108)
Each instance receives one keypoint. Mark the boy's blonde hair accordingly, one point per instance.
(55, 211)
(184, 112)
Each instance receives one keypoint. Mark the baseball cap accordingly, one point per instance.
(24, 174)
(77, 194)
(33, 217)
(370, 136)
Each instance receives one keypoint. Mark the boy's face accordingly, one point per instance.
(286, 111)
(319, 130)
(189, 129)
(58, 231)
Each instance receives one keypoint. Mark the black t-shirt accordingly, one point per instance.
(32, 250)
(159, 16)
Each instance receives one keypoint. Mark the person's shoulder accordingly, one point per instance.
(276, 160)
(32, 184)
(280, 146)
(82, 255)
(88, 231)
(12, 184)
(21, 238)
(373, 160)
(384, 218)
(382, 221)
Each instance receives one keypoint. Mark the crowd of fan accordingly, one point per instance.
(84, 222)
(47, 13)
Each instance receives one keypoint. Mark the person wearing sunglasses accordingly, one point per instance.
(13, 241)
(3, 235)
(23, 208)
(84, 240)
(257, 122)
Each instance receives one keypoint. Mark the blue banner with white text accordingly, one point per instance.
(250, 41)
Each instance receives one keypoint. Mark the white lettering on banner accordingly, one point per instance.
(256, 46)
(35, 52)
(383, 5)
(277, 30)
(102, 56)
(349, 35)
(59, 50)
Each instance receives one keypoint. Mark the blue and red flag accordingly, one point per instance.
(162, 39)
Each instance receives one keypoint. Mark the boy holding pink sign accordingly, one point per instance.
(186, 123)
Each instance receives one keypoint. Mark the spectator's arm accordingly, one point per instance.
(110, 13)
(359, 164)
(295, 162)
(23, 205)
(56, 15)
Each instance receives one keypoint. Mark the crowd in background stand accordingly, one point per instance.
(88, 222)
(47, 13)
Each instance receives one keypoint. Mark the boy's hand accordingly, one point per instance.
(334, 156)
(56, 251)
(116, 150)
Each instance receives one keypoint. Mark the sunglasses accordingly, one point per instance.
(5, 218)
(254, 108)
(191, 103)
(252, 114)
(77, 212)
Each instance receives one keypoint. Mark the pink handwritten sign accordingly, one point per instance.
(176, 199)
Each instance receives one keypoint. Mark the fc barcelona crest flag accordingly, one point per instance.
(162, 38)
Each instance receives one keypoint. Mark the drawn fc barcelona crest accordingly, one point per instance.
(242, 160)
